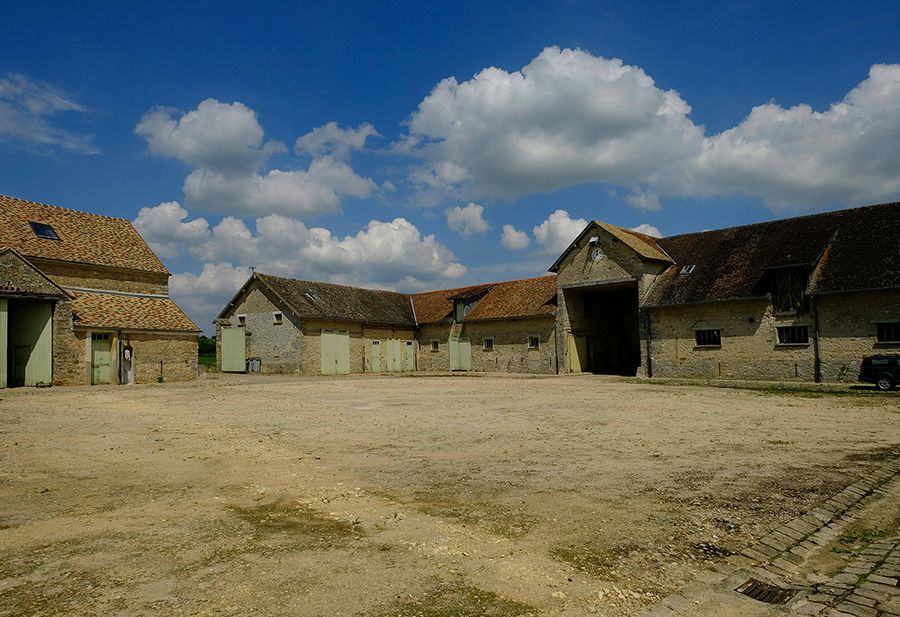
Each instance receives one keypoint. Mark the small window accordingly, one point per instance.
(708, 338)
(100, 337)
(435, 346)
(311, 295)
(793, 335)
(687, 269)
(42, 230)
(534, 342)
(489, 344)
(242, 321)
(278, 318)
(888, 332)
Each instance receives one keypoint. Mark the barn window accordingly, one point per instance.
(711, 337)
(489, 344)
(242, 320)
(278, 318)
(793, 335)
(888, 332)
(435, 345)
(534, 342)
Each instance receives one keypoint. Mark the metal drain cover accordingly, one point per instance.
(764, 592)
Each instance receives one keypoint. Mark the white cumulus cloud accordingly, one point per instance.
(647, 230)
(224, 144)
(557, 232)
(162, 227)
(799, 158)
(567, 117)
(333, 140)
(467, 221)
(220, 137)
(514, 239)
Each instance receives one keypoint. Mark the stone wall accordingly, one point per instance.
(750, 348)
(278, 343)
(172, 356)
(510, 353)
(68, 348)
(848, 332)
(91, 277)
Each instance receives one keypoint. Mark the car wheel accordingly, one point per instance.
(884, 383)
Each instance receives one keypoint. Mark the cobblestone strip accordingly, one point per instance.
(869, 587)
(782, 553)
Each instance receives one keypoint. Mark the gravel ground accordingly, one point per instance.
(406, 495)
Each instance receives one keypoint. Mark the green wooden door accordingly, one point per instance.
(4, 341)
(234, 350)
(30, 330)
(394, 355)
(101, 358)
(460, 354)
(410, 355)
(576, 353)
(335, 352)
(376, 356)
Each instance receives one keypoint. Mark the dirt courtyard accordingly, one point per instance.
(383, 496)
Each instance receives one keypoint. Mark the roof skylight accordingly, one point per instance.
(687, 269)
(43, 230)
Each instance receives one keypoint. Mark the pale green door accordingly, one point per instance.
(30, 334)
(394, 355)
(410, 355)
(335, 353)
(234, 350)
(576, 352)
(4, 340)
(376, 356)
(460, 354)
(101, 356)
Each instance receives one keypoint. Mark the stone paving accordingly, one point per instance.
(868, 587)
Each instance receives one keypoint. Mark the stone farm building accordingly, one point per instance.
(304, 327)
(800, 299)
(83, 300)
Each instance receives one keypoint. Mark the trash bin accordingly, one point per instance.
(255, 364)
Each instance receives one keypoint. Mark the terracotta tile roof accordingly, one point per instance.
(102, 310)
(433, 306)
(340, 302)
(83, 238)
(845, 250)
(521, 298)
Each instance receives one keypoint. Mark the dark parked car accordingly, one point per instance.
(882, 370)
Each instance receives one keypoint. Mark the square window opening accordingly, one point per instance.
(708, 338)
(793, 335)
(242, 321)
(534, 342)
(888, 332)
(435, 345)
(489, 344)
(278, 318)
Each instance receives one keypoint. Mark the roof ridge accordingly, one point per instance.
(38, 203)
(784, 220)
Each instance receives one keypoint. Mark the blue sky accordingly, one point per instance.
(424, 145)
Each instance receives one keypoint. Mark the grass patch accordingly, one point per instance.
(460, 601)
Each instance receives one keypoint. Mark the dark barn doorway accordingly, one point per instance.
(604, 329)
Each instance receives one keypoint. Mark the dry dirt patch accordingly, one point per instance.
(404, 495)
